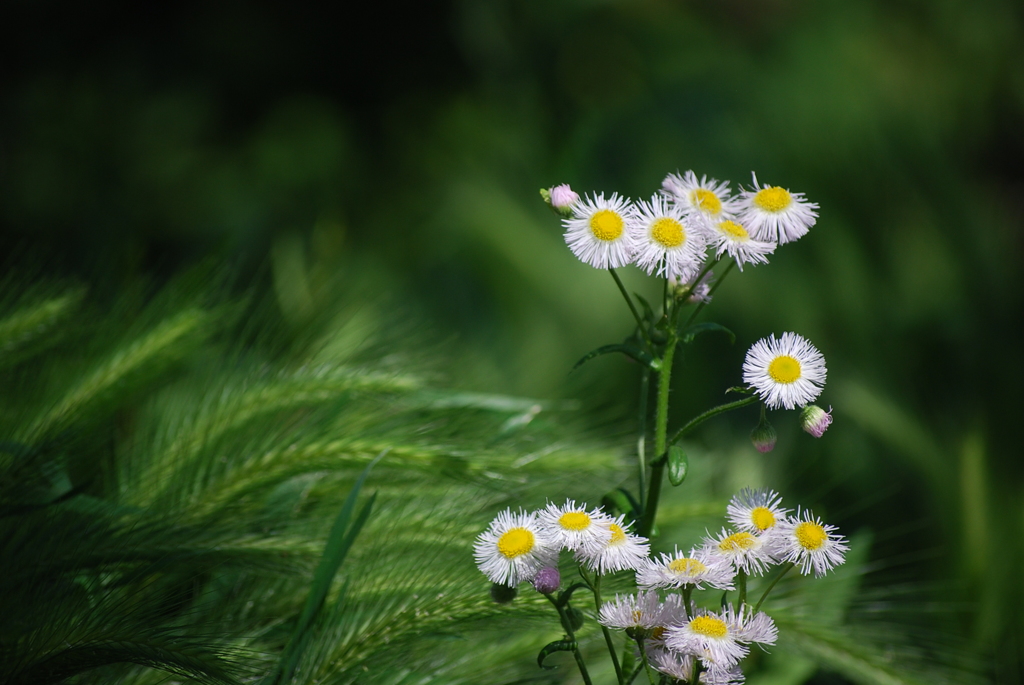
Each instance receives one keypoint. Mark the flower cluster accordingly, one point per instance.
(671, 233)
(517, 546)
(674, 632)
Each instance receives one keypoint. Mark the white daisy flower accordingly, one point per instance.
(596, 231)
(756, 511)
(785, 372)
(711, 637)
(747, 552)
(727, 234)
(706, 196)
(641, 610)
(665, 240)
(514, 548)
(623, 550)
(776, 215)
(810, 544)
(679, 666)
(699, 568)
(573, 527)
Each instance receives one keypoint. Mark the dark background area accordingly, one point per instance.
(411, 139)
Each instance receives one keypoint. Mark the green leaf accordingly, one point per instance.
(552, 647)
(622, 501)
(338, 543)
(566, 595)
(688, 335)
(678, 465)
(628, 350)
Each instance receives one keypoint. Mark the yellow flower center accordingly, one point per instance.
(705, 200)
(668, 232)
(709, 626)
(618, 535)
(733, 230)
(810, 535)
(574, 520)
(515, 543)
(686, 566)
(774, 199)
(658, 632)
(738, 542)
(784, 369)
(606, 225)
(637, 615)
(762, 517)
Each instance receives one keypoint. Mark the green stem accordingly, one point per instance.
(595, 586)
(714, 411)
(628, 659)
(695, 676)
(567, 626)
(784, 571)
(632, 307)
(634, 674)
(660, 433)
(645, 384)
(742, 596)
(647, 664)
(711, 291)
(687, 606)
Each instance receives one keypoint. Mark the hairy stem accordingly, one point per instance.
(632, 307)
(595, 586)
(660, 433)
(784, 571)
(714, 411)
(567, 626)
(645, 384)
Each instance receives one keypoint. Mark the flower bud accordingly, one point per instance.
(547, 580)
(563, 198)
(815, 420)
(763, 436)
(503, 594)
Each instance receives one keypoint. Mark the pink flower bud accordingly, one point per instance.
(563, 197)
(816, 420)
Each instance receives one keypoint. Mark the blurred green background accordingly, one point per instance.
(409, 142)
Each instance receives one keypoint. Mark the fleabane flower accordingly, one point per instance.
(596, 232)
(680, 667)
(774, 214)
(665, 241)
(705, 196)
(623, 550)
(785, 372)
(746, 551)
(756, 511)
(709, 637)
(720, 639)
(815, 420)
(810, 544)
(698, 568)
(728, 234)
(573, 527)
(642, 610)
(513, 548)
